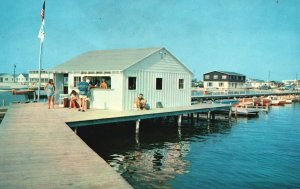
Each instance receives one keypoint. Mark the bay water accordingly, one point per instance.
(259, 152)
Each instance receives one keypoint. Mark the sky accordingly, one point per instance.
(257, 38)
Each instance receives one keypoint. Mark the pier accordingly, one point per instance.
(241, 94)
(38, 147)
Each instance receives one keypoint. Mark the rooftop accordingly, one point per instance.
(105, 60)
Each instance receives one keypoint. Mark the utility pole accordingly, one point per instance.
(269, 78)
(15, 73)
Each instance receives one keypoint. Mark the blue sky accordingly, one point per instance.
(252, 37)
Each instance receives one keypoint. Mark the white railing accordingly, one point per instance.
(241, 92)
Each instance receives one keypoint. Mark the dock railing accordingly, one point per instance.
(245, 92)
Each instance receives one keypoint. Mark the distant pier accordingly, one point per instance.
(240, 94)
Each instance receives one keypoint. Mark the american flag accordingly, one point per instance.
(42, 32)
(43, 11)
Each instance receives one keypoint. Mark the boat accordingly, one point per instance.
(275, 101)
(288, 101)
(227, 101)
(246, 102)
(262, 101)
(245, 111)
(20, 92)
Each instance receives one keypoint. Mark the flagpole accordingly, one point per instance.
(40, 67)
(41, 36)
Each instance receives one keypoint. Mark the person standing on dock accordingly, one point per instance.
(50, 89)
(83, 88)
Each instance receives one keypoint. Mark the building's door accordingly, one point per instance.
(66, 84)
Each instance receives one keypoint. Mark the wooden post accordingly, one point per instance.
(235, 113)
(192, 117)
(229, 114)
(34, 96)
(137, 126)
(179, 120)
(137, 139)
(179, 132)
(197, 117)
(208, 115)
(213, 116)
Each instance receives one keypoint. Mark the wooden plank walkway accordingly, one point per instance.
(38, 148)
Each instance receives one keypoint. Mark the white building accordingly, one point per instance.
(223, 80)
(255, 83)
(155, 72)
(22, 78)
(34, 77)
(6, 78)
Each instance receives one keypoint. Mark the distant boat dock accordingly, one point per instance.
(239, 94)
(39, 149)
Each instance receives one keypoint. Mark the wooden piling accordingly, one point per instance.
(179, 120)
(137, 126)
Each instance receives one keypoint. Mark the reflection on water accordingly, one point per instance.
(156, 155)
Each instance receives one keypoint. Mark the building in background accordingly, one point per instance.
(6, 78)
(223, 80)
(255, 83)
(34, 77)
(23, 78)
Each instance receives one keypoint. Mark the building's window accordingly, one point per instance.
(77, 79)
(181, 83)
(97, 80)
(158, 83)
(224, 76)
(6, 79)
(209, 84)
(221, 84)
(131, 83)
(216, 77)
(206, 76)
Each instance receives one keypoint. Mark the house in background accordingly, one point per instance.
(34, 77)
(6, 78)
(255, 83)
(23, 78)
(155, 72)
(223, 80)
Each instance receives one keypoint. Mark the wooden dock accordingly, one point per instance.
(38, 148)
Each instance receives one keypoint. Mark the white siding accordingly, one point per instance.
(227, 85)
(169, 96)
(103, 98)
(161, 61)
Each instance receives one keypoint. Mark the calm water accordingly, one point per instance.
(7, 97)
(261, 152)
